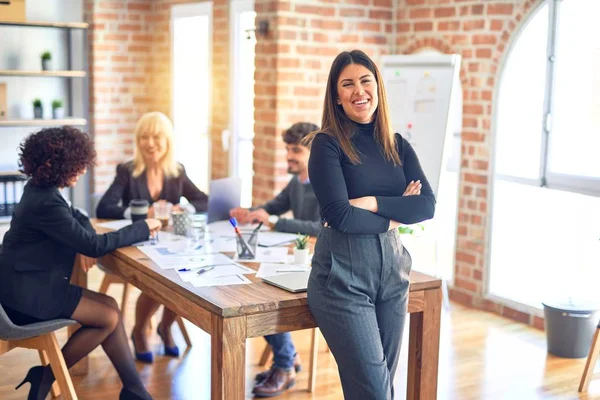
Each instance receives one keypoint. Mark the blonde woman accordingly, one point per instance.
(153, 175)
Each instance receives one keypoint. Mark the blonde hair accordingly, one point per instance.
(155, 123)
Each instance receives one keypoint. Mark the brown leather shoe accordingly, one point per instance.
(277, 381)
(262, 375)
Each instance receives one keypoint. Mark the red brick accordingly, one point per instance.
(352, 12)
(499, 9)
(443, 12)
(423, 26)
(421, 13)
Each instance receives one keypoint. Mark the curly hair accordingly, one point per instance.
(55, 156)
(295, 133)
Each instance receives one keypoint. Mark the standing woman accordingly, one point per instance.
(367, 180)
(37, 255)
(153, 175)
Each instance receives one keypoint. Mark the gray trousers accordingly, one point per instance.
(358, 294)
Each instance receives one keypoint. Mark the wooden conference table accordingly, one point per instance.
(231, 314)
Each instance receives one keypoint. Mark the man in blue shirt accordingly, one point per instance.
(298, 197)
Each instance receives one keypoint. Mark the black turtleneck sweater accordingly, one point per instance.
(335, 180)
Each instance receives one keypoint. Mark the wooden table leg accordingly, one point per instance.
(424, 346)
(78, 278)
(228, 358)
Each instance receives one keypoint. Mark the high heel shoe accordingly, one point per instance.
(146, 357)
(34, 377)
(169, 351)
(127, 395)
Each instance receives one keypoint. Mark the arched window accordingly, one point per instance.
(545, 226)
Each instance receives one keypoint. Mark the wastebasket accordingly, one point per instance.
(570, 326)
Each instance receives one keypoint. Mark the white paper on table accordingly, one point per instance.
(202, 280)
(167, 259)
(270, 269)
(115, 225)
(269, 239)
(220, 244)
(268, 254)
(167, 239)
(224, 228)
(225, 269)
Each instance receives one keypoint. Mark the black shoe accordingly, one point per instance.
(263, 375)
(34, 377)
(127, 395)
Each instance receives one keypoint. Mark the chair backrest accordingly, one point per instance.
(7, 328)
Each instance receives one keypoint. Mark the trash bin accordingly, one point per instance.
(570, 326)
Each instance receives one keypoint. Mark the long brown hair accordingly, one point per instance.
(336, 123)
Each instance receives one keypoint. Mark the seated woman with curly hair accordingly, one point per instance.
(38, 252)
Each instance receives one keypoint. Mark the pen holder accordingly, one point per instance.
(182, 222)
(250, 238)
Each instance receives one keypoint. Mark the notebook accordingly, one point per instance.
(294, 282)
(224, 194)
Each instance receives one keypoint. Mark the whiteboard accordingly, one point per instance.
(419, 91)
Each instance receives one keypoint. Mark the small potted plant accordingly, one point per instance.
(301, 249)
(46, 61)
(38, 110)
(58, 112)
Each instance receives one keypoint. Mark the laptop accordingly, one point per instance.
(294, 282)
(224, 194)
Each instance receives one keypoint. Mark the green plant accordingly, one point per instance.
(410, 230)
(46, 55)
(37, 103)
(301, 241)
(57, 104)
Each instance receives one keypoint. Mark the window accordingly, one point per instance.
(242, 67)
(545, 223)
(191, 36)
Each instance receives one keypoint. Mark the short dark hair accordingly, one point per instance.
(295, 133)
(55, 156)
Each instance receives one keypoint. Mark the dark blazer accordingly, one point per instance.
(38, 251)
(126, 188)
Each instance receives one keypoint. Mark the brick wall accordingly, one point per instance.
(130, 43)
(120, 64)
(480, 32)
(292, 64)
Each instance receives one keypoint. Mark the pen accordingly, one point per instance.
(205, 269)
(184, 270)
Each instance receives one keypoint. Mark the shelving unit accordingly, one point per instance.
(79, 196)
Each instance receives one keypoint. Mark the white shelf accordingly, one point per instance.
(43, 122)
(34, 24)
(44, 74)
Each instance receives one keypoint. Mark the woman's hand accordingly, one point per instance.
(368, 203)
(154, 225)
(413, 189)
(84, 262)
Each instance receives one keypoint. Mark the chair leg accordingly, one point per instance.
(61, 372)
(45, 361)
(265, 355)
(105, 283)
(590, 364)
(314, 355)
(126, 287)
(184, 331)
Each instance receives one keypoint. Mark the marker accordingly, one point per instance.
(184, 270)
